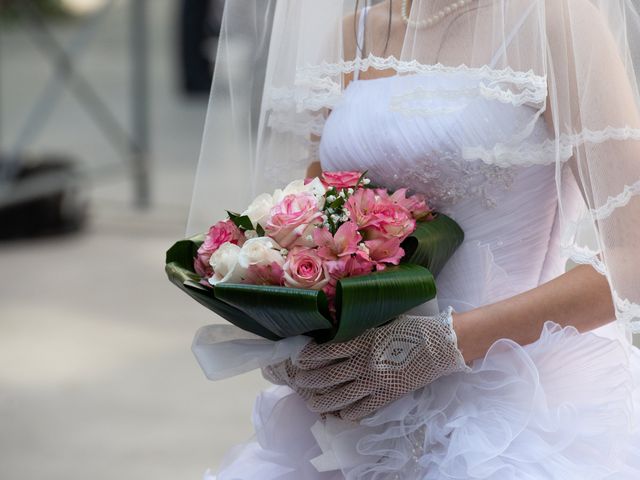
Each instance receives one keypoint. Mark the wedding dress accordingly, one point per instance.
(564, 407)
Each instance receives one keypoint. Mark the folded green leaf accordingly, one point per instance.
(372, 300)
(184, 252)
(433, 243)
(187, 281)
(285, 312)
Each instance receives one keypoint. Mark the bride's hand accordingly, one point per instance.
(355, 378)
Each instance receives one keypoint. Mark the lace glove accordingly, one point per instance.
(355, 378)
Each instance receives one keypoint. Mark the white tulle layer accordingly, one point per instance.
(564, 407)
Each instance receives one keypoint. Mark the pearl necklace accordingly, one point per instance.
(432, 19)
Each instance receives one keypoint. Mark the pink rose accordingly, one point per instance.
(383, 251)
(293, 220)
(271, 274)
(390, 220)
(222, 232)
(344, 242)
(305, 269)
(340, 179)
(202, 268)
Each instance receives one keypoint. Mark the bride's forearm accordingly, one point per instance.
(580, 297)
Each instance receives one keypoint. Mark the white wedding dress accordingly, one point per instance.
(564, 407)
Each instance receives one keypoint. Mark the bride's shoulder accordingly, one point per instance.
(377, 23)
(349, 26)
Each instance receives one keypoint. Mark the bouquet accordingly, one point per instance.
(327, 257)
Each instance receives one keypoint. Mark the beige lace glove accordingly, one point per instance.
(355, 378)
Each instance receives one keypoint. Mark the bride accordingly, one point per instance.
(520, 120)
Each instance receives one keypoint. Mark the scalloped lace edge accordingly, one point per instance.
(536, 96)
(290, 99)
(618, 201)
(585, 256)
(302, 127)
(315, 89)
(544, 153)
(399, 102)
(627, 311)
(402, 66)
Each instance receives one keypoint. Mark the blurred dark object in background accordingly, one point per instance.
(46, 194)
(199, 30)
(60, 207)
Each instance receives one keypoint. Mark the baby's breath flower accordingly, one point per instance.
(342, 194)
(331, 198)
(366, 181)
(335, 218)
(284, 252)
(350, 191)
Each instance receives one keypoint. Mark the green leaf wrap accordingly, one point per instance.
(433, 243)
(361, 302)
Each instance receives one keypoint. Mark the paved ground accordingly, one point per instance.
(96, 375)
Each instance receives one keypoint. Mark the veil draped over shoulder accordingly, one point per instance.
(282, 65)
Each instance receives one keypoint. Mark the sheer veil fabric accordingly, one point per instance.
(283, 65)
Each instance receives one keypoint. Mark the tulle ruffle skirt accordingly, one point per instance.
(564, 407)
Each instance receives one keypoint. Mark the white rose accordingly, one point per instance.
(259, 251)
(277, 196)
(225, 266)
(260, 209)
(295, 187)
(315, 187)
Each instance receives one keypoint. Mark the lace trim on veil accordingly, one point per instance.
(584, 256)
(628, 312)
(543, 153)
(324, 69)
(619, 201)
(319, 87)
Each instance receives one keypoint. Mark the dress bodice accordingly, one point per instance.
(508, 212)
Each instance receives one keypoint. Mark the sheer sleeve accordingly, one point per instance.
(593, 97)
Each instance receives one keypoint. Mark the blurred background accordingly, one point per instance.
(102, 106)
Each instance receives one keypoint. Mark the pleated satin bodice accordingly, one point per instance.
(508, 212)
